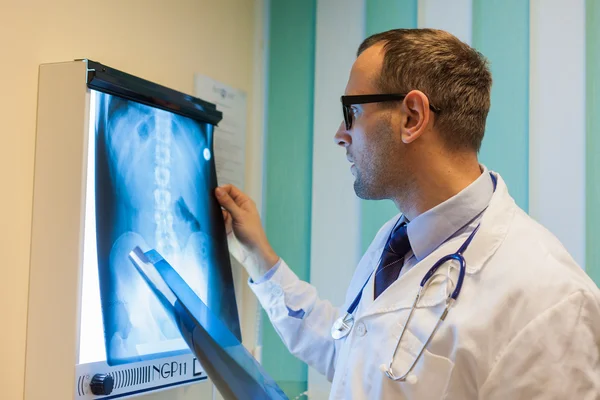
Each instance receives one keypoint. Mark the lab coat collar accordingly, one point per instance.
(432, 228)
(495, 223)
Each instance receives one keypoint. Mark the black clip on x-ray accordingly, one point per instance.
(233, 370)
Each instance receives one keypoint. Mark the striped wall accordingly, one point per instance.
(452, 16)
(288, 151)
(556, 137)
(542, 133)
(382, 15)
(592, 217)
(501, 33)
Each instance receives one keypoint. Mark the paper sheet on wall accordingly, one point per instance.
(229, 143)
(230, 135)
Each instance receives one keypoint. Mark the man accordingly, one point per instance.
(526, 322)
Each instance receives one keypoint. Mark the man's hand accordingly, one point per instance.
(245, 234)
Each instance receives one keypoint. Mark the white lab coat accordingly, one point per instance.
(526, 324)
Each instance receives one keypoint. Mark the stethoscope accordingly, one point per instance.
(343, 325)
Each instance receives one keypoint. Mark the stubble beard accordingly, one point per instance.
(377, 176)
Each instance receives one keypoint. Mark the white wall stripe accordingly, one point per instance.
(453, 16)
(256, 175)
(335, 244)
(557, 120)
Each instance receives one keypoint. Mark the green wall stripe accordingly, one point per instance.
(289, 162)
(592, 231)
(501, 33)
(383, 15)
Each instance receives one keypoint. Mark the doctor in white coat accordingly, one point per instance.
(519, 320)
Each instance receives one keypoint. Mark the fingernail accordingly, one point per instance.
(219, 192)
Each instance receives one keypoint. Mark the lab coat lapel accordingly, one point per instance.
(401, 294)
(373, 259)
(494, 227)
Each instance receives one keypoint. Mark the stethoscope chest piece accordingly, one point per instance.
(342, 326)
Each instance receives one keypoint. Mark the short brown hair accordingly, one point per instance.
(455, 77)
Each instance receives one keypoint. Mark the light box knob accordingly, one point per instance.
(102, 384)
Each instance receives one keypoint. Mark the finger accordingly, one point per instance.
(228, 203)
(240, 198)
(227, 220)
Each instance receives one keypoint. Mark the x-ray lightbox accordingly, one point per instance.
(121, 163)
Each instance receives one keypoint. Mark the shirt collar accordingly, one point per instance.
(432, 228)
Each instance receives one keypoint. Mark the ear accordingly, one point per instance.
(416, 109)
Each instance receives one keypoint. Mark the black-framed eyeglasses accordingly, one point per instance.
(348, 101)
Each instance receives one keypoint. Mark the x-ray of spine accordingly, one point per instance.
(155, 178)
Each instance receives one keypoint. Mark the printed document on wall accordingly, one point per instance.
(230, 135)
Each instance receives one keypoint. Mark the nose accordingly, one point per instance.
(342, 137)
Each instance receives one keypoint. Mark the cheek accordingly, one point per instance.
(372, 143)
(358, 142)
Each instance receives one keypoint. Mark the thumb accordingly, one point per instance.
(228, 203)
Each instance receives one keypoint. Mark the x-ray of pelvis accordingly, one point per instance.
(155, 178)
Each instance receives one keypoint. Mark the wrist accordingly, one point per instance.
(257, 259)
(271, 261)
(268, 258)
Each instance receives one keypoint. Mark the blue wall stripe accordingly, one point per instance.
(383, 15)
(592, 25)
(289, 162)
(501, 33)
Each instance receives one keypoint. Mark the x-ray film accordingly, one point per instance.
(154, 183)
(233, 370)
